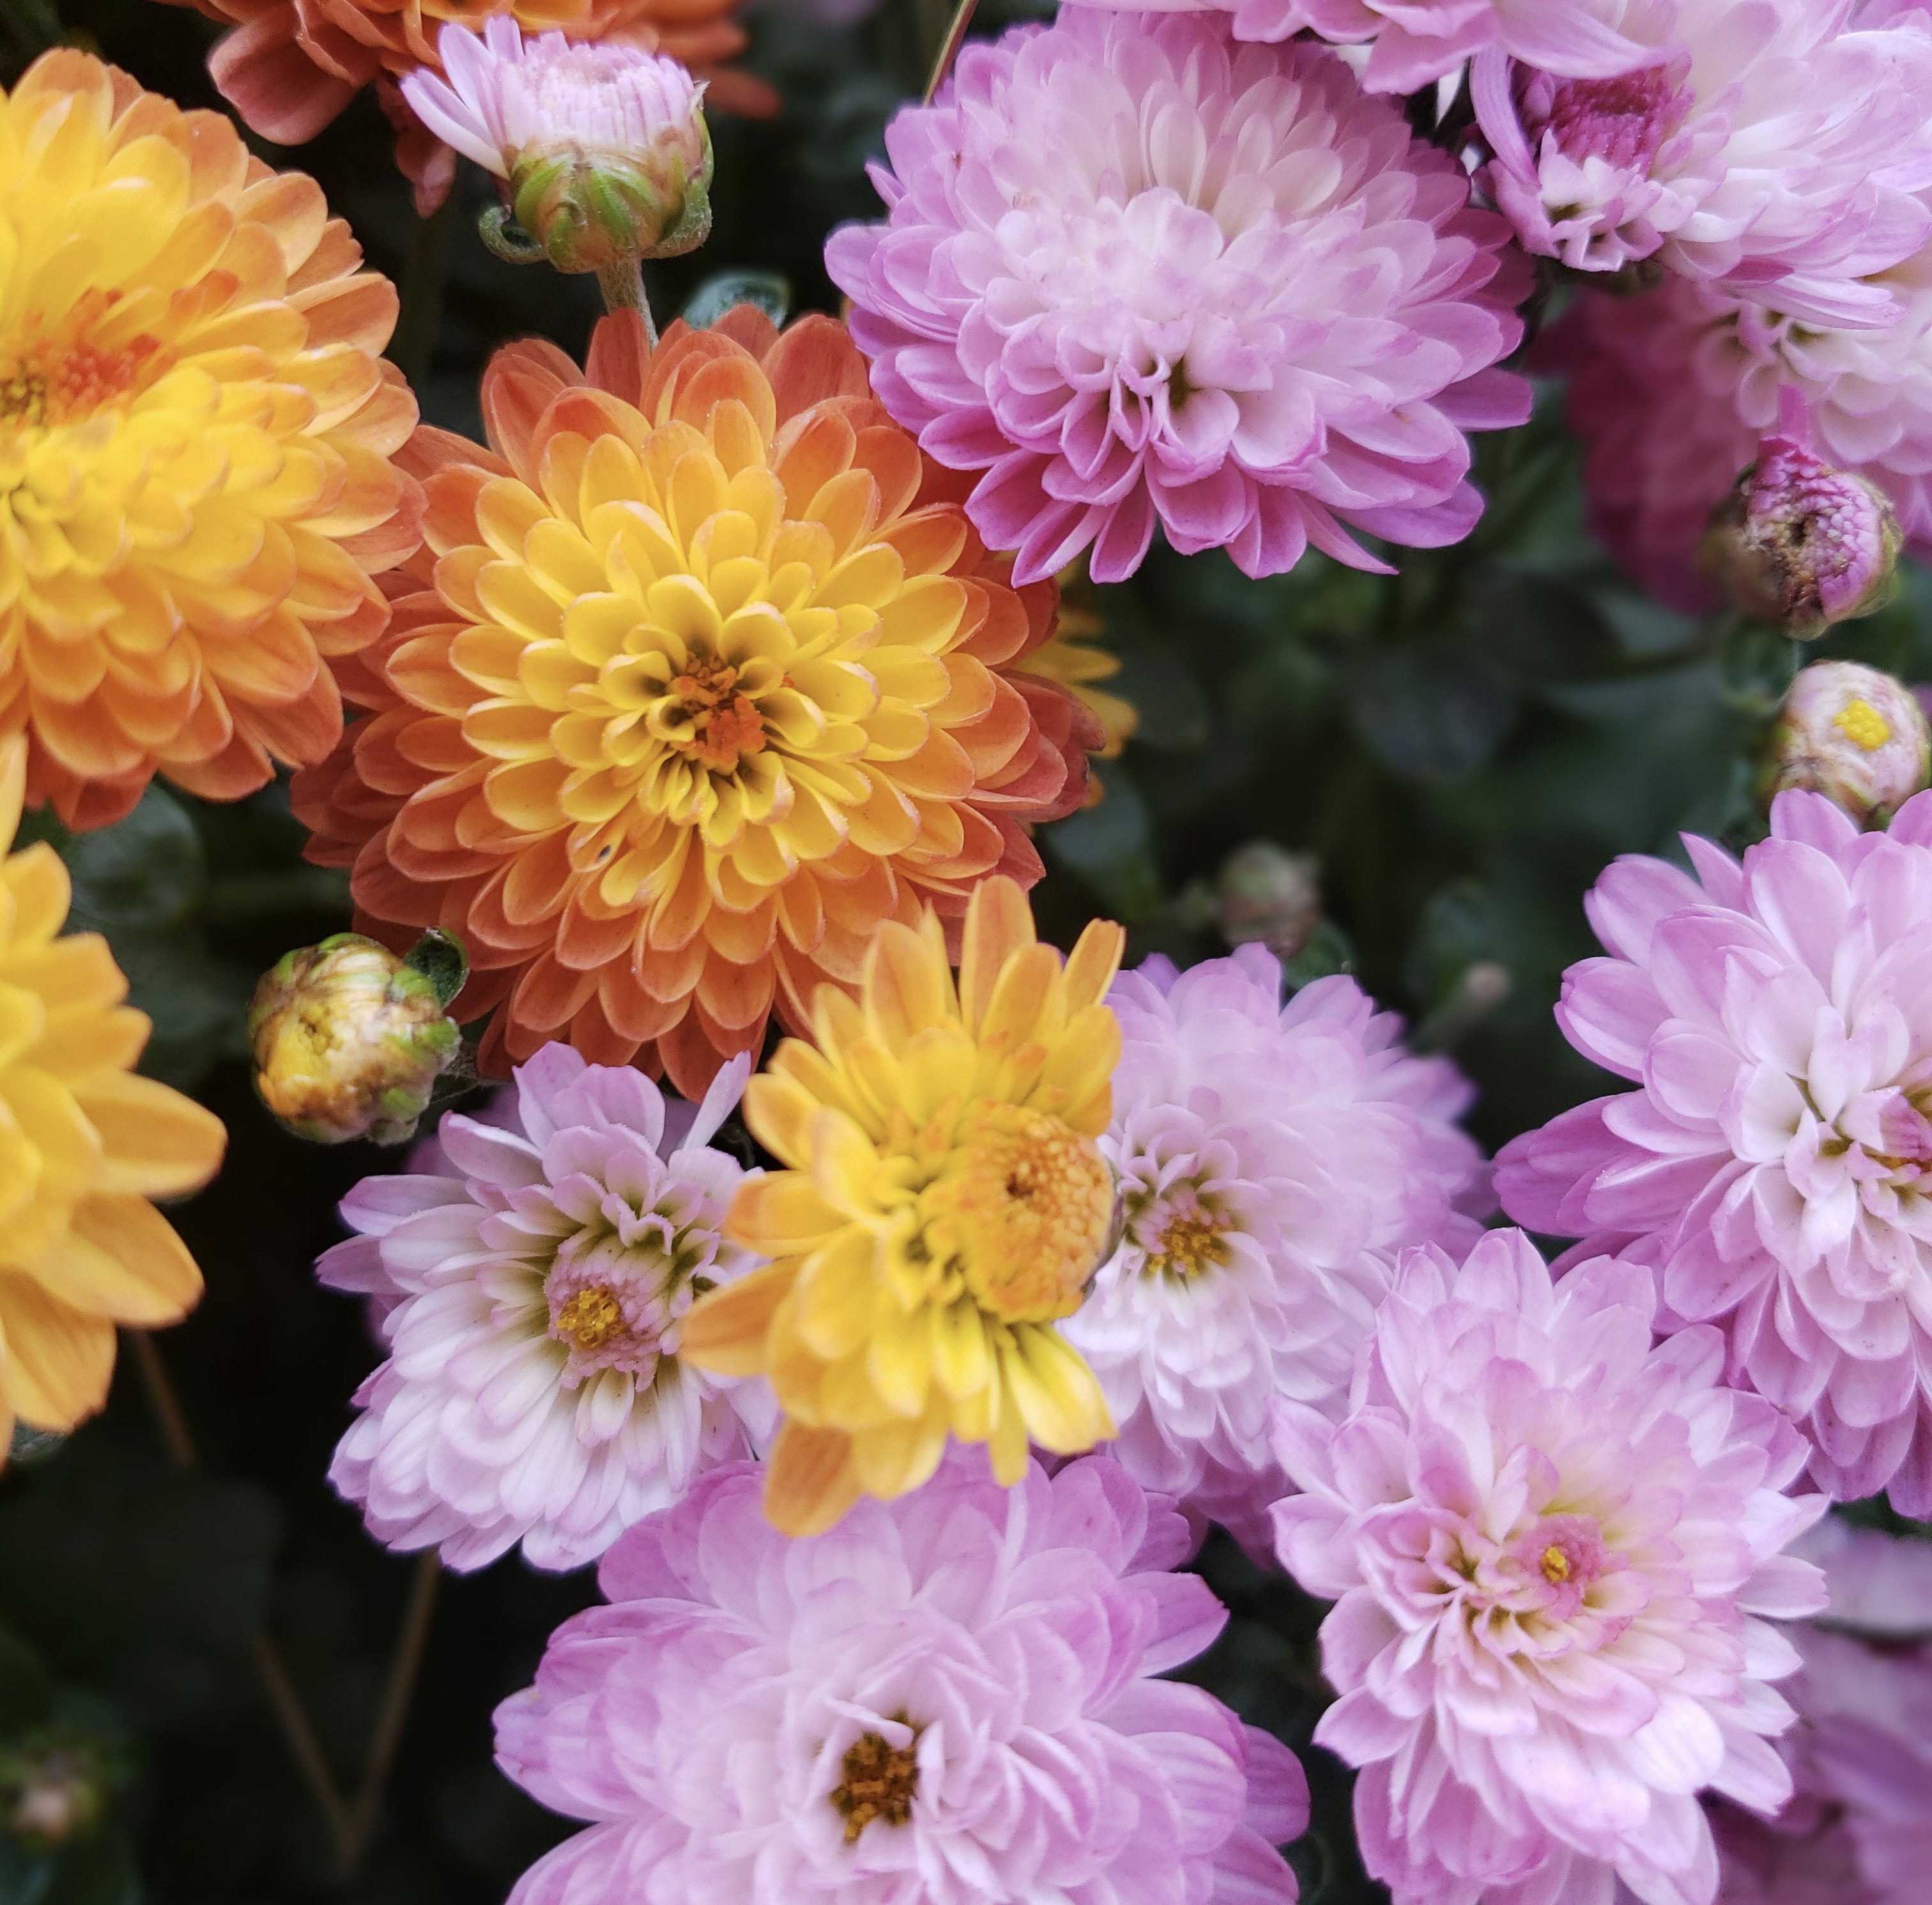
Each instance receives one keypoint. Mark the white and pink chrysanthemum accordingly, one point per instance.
(532, 1301)
(1412, 43)
(1762, 146)
(1771, 1166)
(1551, 1545)
(1135, 272)
(1671, 391)
(508, 102)
(1273, 1160)
(946, 1700)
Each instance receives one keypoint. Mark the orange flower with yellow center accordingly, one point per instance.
(705, 675)
(84, 1144)
(196, 427)
(945, 1204)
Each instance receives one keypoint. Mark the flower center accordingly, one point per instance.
(1863, 725)
(1623, 120)
(65, 376)
(711, 721)
(1021, 1207)
(880, 1782)
(1554, 1565)
(590, 1318)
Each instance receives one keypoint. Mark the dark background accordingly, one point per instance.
(1463, 746)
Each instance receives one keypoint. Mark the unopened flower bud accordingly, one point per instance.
(52, 1792)
(348, 1039)
(1797, 543)
(1854, 734)
(1266, 895)
(602, 149)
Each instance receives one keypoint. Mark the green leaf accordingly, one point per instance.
(1540, 628)
(1109, 846)
(25, 1877)
(1432, 713)
(144, 871)
(1329, 951)
(99, 1870)
(769, 290)
(439, 957)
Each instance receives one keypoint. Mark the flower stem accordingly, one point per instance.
(622, 285)
(421, 310)
(403, 1668)
(948, 46)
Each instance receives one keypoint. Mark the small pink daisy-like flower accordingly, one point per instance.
(531, 1287)
(1762, 144)
(1551, 1545)
(1135, 272)
(948, 1699)
(1413, 42)
(1771, 1166)
(1273, 1160)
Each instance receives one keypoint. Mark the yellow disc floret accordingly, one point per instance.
(945, 1204)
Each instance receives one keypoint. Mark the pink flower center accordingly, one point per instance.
(880, 1782)
(1622, 120)
(1557, 1561)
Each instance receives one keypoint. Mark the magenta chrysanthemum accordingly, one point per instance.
(531, 1300)
(1551, 1545)
(946, 1700)
(1416, 41)
(1272, 1161)
(1671, 391)
(1763, 145)
(1132, 271)
(1772, 1165)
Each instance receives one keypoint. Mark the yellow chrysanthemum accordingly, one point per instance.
(196, 427)
(945, 1205)
(84, 1144)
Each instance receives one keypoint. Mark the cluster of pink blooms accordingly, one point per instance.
(1189, 270)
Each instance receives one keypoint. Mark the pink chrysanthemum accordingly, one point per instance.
(946, 1700)
(531, 1288)
(1670, 392)
(1133, 271)
(1272, 1161)
(1550, 1544)
(1762, 145)
(1772, 1165)
(1416, 41)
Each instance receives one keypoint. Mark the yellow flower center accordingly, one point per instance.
(1555, 1565)
(590, 1318)
(66, 374)
(1862, 725)
(1189, 1243)
(1021, 1207)
(880, 1782)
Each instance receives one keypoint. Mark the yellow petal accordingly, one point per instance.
(59, 1362)
(780, 1215)
(898, 1359)
(13, 786)
(158, 1143)
(960, 1359)
(1018, 1012)
(895, 1459)
(839, 1296)
(727, 1329)
(121, 1259)
(998, 923)
(1006, 1441)
(1093, 963)
(907, 989)
(811, 1480)
(778, 1110)
(1057, 1395)
(844, 1166)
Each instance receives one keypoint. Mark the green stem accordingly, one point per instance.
(622, 285)
(950, 45)
(422, 313)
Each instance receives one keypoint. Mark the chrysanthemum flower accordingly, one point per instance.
(950, 1700)
(1413, 42)
(532, 1294)
(1763, 145)
(196, 426)
(1672, 391)
(1133, 272)
(1552, 1546)
(1771, 1164)
(1273, 1160)
(705, 675)
(84, 1143)
(290, 67)
(945, 1205)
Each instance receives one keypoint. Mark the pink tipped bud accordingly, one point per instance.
(1267, 896)
(1800, 543)
(602, 149)
(1854, 734)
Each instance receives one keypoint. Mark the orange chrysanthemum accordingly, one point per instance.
(196, 429)
(290, 66)
(707, 675)
(84, 1144)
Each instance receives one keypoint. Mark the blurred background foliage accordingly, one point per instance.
(186, 1612)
